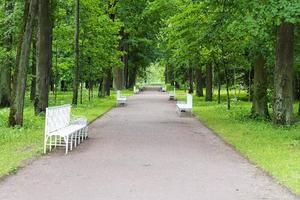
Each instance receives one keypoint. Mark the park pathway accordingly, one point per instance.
(144, 151)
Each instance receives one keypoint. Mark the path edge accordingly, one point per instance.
(29, 161)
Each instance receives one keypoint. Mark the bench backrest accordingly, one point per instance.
(57, 117)
(189, 100)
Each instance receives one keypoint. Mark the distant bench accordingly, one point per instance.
(172, 95)
(185, 106)
(60, 130)
(135, 90)
(121, 100)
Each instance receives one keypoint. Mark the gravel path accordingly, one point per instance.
(144, 151)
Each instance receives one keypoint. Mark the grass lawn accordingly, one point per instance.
(275, 149)
(20, 144)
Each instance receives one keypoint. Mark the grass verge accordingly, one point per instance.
(275, 149)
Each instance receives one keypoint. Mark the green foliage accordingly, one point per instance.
(98, 40)
(229, 33)
(155, 74)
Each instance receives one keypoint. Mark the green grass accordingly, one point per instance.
(275, 149)
(20, 144)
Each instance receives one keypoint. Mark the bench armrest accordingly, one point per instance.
(181, 102)
(80, 120)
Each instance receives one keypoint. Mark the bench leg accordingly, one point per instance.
(81, 135)
(71, 141)
(67, 143)
(86, 132)
(45, 145)
(55, 143)
(50, 143)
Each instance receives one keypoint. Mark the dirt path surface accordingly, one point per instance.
(144, 151)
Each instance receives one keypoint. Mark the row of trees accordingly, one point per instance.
(51, 45)
(47, 45)
(252, 43)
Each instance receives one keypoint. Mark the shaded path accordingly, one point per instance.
(144, 152)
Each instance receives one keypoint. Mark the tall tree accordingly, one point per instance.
(33, 68)
(191, 80)
(6, 66)
(283, 75)
(119, 72)
(44, 56)
(260, 100)
(199, 81)
(209, 82)
(22, 61)
(76, 47)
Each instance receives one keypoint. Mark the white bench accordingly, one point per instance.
(135, 90)
(185, 106)
(172, 95)
(60, 130)
(120, 99)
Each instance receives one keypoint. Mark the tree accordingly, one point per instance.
(283, 75)
(209, 82)
(22, 61)
(44, 56)
(6, 66)
(199, 81)
(76, 55)
(260, 101)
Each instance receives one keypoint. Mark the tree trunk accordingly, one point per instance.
(100, 88)
(250, 85)
(19, 87)
(219, 84)
(81, 92)
(227, 87)
(76, 47)
(33, 70)
(90, 90)
(126, 72)
(191, 81)
(125, 60)
(63, 86)
(44, 51)
(5, 84)
(199, 81)
(132, 77)
(6, 66)
(209, 92)
(119, 71)
(118, 78)
(283, 75)
(106, 83)
(259, 100)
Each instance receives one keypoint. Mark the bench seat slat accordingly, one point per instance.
(67, 130)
